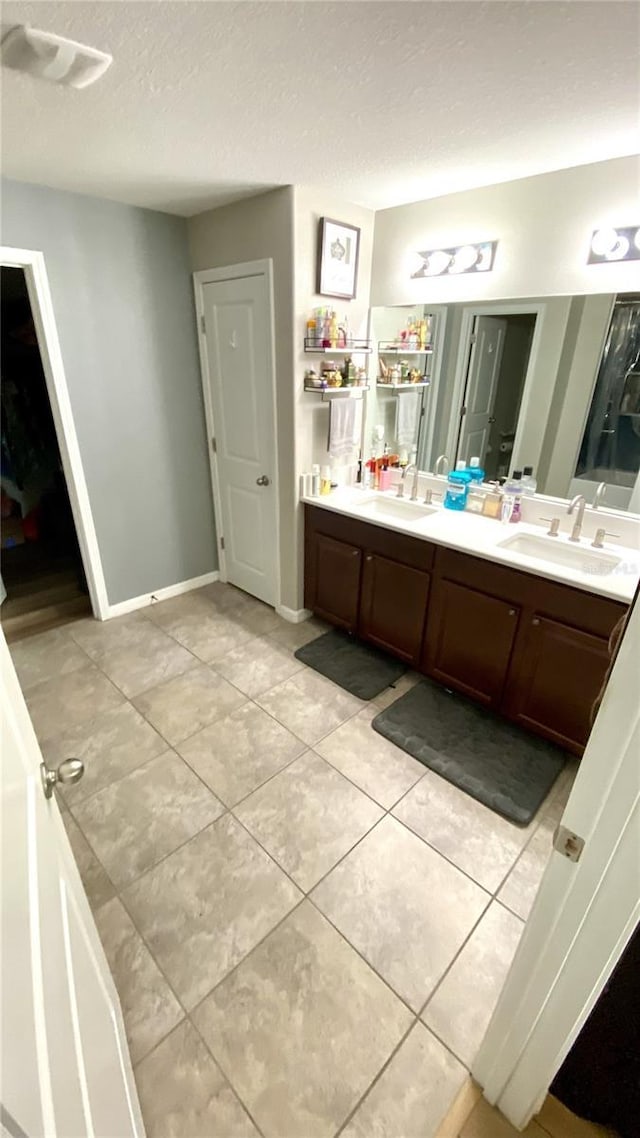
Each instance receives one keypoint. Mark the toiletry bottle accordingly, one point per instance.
(529, 484)
(333, 330)
(315, 480)
(512, 498)
(457, 489)
(312, 332)
(325, 481)
(462, 468)
(475, 470)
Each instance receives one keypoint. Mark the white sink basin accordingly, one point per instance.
(557, 551)
(395, 509)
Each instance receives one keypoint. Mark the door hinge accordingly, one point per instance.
(473, 338)
(222, 543)
(214, 445)
(567, 843)
(203, 327)
(463, 411)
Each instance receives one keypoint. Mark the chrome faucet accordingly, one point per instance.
(578, 501)
(414, 488)
(599, 494)
(443, 458)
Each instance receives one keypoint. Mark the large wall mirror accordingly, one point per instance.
(547, 382)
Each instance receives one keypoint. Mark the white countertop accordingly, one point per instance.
(482, 537)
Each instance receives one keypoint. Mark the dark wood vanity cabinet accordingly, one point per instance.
(336, 576)
(470, 640)
(556, 675)
(528, 647)
(393, 606)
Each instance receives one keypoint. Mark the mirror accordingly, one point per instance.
(548, 382)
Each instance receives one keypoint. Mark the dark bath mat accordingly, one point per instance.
(496, 762)
(356, 667)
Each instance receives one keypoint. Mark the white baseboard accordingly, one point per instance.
(123, 607)
(295, 616)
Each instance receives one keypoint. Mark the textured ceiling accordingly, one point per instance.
(380, 103)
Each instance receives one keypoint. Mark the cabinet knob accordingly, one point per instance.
(355, 553)
(512, 612)
(368, 557)
(535, 622)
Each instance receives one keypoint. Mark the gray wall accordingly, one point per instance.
(123, 302)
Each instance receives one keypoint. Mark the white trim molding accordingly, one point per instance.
(294, 616)
(146, 599)
(33, 264)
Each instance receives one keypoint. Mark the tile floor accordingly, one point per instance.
(308, 929)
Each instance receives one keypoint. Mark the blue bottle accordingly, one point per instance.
(457, 489)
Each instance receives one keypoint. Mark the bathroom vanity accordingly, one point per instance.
(456, 599)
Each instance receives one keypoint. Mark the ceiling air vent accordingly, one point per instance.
(47, 56)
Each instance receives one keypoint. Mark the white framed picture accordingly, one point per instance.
(338, 248)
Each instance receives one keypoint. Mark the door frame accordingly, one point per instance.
(37, 282)
(584, 913)
(526, 308)
(203, 277)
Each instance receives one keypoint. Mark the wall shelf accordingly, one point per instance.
(389, 347)
(355, 391)
(399, 386)
(351, 347)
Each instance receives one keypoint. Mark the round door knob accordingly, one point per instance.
(71, 770)
(262, 480)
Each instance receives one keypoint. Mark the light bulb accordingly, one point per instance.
(437, 263)
(464, 259)
(619, 251)
(604, 241)
(484, 258)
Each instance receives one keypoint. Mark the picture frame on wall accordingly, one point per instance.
(338, 251)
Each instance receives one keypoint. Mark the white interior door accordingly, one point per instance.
(239, 376)
(584, 912)
(487, 345)
(66, 1071)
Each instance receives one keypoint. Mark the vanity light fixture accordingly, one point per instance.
(620, 244)
(477, 258)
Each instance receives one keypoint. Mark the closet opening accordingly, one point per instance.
(43, 582)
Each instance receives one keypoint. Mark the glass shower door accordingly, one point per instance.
(610, 449)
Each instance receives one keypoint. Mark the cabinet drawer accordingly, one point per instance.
(375, 539)
(469, 640)
(571, 606)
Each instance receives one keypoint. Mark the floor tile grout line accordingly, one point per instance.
(246, 957)
(363, 958)
(120, 889)
(225, 1076)
(447, 970)
(377, 1078)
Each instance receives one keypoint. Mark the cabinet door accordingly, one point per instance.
(336, 575)
(469, 640)
(393, 606)
(557, 673)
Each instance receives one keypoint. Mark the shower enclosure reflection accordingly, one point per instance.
(610, 449)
